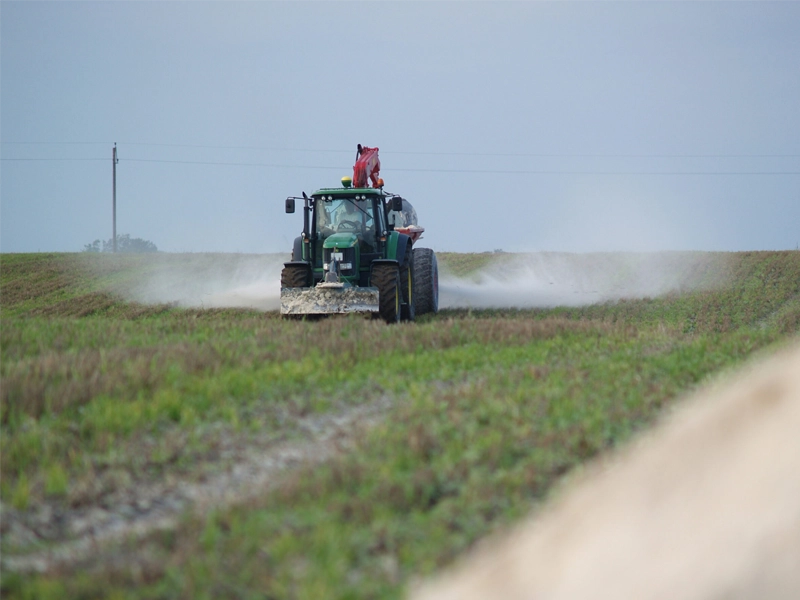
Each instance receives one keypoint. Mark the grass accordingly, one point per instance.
(491, 408)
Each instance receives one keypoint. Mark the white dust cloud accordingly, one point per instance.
(210, 281)
(613, 239)
(536, 280)
(546, 279)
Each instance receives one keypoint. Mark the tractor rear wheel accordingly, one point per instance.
(426, 281)
(387, 279)
(407, 308)
(295, 276)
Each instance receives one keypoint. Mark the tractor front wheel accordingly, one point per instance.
(295, 276)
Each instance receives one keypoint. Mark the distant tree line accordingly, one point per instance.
(125, 243)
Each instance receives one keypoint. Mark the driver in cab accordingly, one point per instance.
(348, 218)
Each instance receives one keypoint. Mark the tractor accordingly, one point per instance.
(356, 254)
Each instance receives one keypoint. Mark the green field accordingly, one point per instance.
(479, 413)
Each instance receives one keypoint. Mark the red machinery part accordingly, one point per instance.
(368, 165)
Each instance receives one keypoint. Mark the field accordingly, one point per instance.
(159, 450)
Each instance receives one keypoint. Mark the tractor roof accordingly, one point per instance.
(342, 191)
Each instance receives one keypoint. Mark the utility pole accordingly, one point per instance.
(114, 162)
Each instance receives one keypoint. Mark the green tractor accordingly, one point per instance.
(356, 255)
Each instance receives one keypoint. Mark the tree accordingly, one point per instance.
(125, 244)
(93, 247)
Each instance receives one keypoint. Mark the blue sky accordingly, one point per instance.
(525, 126)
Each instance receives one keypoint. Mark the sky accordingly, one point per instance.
(516, 126)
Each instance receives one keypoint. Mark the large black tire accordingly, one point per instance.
(407, 307)
(295, 276)
(426, 281)
(387, 279)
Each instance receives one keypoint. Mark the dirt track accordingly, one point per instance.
(76, 535)
(705, 506)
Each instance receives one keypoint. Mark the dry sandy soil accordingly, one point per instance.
(707, 505)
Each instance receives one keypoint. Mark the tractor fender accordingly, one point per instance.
(397, 245)
(297, 250)
(382, 261)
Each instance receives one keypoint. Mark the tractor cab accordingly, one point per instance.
(346, 225)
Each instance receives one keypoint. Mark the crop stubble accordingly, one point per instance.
(490, 408)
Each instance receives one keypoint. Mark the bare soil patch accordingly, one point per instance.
(72, 536)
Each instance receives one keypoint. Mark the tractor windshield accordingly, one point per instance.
(344, 215)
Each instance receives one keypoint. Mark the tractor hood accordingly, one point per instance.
(341, 240)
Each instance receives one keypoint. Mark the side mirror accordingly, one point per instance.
(397, 204)
(290, 205)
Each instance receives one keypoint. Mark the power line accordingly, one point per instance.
(55, 143)
(268, 148)
(231, 164)
(488, 154)
(475, 154)
(425, 152)
(49, 159)
(525, 172)
(546, 155)
(412, 170)
(480, 171)
(420, 170)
